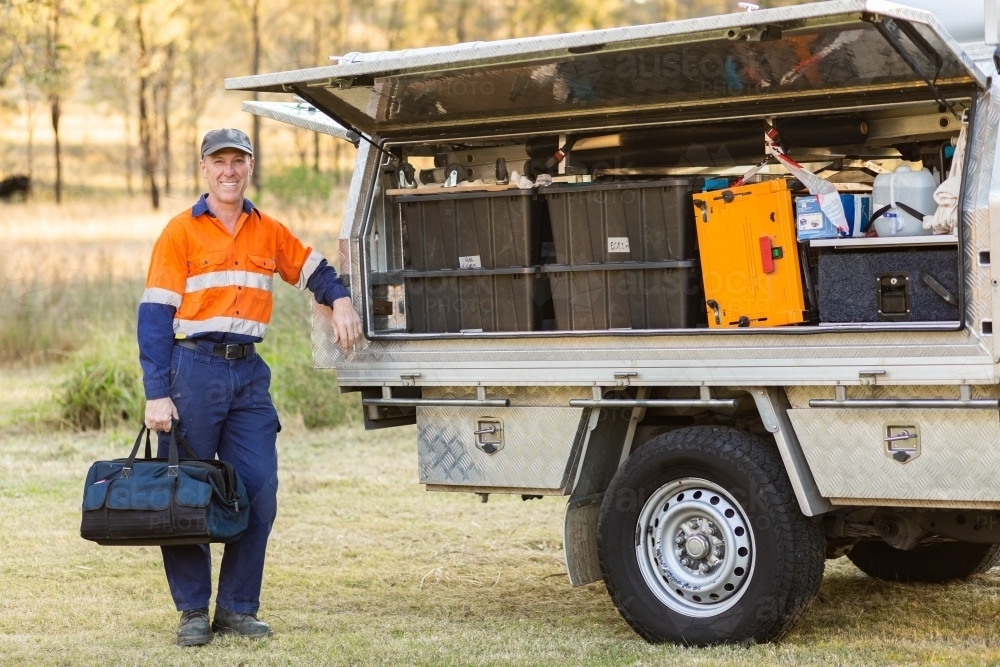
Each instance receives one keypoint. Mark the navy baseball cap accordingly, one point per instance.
(216, 140)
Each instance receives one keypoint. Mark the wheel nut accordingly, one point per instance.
(703, 568)
(693, 523)
(679, 539)
(710, 530)
(685, 562)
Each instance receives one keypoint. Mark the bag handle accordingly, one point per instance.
(188, 449)
(172, 455)
(127, 469)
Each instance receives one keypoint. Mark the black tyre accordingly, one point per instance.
(701, 540)
(928, 563)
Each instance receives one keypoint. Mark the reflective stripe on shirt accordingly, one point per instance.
(236, 325)
(229, 279)
(311, 263)
(161, 296)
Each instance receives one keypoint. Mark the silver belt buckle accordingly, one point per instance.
(232, 352)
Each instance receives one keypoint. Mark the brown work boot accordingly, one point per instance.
(194, 629)
(245, 625)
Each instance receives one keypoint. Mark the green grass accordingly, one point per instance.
(87, 331)
(366, 568)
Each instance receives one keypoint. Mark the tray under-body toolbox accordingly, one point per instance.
(899, 285)
(749, 256)
(625, 255)
(473, 261)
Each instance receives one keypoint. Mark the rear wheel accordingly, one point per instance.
(928, 563)
(701, 540)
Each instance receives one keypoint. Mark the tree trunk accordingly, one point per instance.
(129, 157)
(316, 152)
(195, 93)
(56, 112)
(166, 101)
(318, 52)
(463, 10)
(145, 134)
(255, 34)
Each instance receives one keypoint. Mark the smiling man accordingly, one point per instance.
(207, 302)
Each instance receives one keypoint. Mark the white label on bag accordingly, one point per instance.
(470, 262)
(618, 244)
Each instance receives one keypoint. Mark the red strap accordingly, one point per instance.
(766, 258)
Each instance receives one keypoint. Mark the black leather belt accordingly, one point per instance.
(235, 351)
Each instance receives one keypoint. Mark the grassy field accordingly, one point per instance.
(364, 566)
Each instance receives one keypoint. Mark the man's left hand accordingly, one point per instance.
(346, 324)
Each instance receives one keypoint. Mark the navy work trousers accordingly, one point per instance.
(225, 408)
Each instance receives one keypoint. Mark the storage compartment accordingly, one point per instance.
(473, 260)
(472, 230)
(749, 256)
(640, 221)
(475, 301)
(615, 297)
(889, 285)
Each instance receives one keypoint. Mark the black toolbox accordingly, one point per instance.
(626, 255)
(899, 285)
(473, 261)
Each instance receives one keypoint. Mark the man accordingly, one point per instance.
(207, 302)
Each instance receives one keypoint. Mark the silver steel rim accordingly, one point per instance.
(694, 547)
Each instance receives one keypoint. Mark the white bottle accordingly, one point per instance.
(912, 188)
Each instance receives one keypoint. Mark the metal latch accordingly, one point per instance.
(622, 378)
(489, 434)
(409, 379)
(902, 443)
(893, 292)
(869, 378)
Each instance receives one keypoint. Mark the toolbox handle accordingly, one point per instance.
(766, 255)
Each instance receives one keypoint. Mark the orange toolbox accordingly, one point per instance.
(749, 256)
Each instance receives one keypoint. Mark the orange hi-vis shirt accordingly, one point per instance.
(214, 285)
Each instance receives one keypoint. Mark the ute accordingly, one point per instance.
(726, 284)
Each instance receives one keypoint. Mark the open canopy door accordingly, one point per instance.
(841, 54)
(301, 115)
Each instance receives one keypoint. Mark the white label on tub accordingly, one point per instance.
(618, 244)
(470, 262)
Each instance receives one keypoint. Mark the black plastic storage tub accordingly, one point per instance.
(488, 230)
(626, 255)
(638, 298)
(470, 301)
(637, 221)
(473, 261)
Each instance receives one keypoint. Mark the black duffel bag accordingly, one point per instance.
(154, 501)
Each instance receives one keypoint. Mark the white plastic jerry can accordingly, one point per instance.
(914, 190)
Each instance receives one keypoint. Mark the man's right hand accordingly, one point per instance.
(159, 413)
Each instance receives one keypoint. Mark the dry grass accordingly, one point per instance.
(366, 568)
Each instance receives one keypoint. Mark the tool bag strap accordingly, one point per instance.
(172, 457)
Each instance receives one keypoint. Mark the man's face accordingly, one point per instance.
(228, 174)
